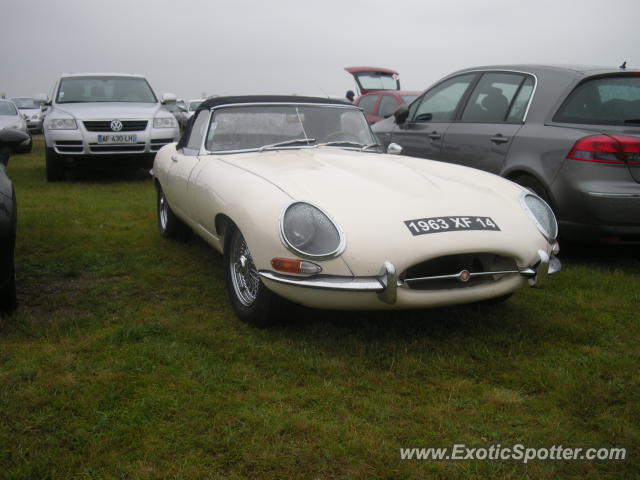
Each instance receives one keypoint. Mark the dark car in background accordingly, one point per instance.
(11, 141)
(570, 134)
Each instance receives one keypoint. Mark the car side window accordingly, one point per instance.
(519, 106)
(490, 99)
(198, 131)
(368, 103)
(387, 106)
(441, 102)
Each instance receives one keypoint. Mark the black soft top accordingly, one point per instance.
(238, 100)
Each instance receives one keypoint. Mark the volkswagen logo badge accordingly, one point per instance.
(116, 125)
(464, 276)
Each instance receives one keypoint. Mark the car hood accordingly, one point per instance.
(371, 195)
(29, 111)
(8, 120)
(120, 110)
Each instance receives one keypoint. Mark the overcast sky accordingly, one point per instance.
(190, 47)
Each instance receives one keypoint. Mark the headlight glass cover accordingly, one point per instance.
(164, 122)
(62, 124)
(542, 215)
(309, 232)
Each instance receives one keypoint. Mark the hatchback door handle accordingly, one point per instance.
(499, 139)
(174, 158)
(434, 136)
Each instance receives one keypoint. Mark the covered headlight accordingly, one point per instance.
(542, 215)
(165, 122)
(62, 124)
(308, 231)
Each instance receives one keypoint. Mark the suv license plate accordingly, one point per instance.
(102, 139)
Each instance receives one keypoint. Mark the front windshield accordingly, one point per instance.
(105, 89)
(7, 108)
(193, 106)
(24, 103)
(295, 126)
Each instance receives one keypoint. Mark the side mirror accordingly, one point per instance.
(13, 141)
(41, 98)
(168, 98)
(401, 113)
(394, 149)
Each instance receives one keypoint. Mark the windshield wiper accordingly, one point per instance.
(340, 142)
(288, 142)
(348, 143)
(371, 145)
(632, 120)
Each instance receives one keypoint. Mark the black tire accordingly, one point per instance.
(533, 185)
(254, 303)
(8, 297)
(169, 225)
(55, 166)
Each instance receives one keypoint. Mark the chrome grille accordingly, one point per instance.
(445, 272)
(105, 125)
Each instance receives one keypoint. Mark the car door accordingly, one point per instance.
(489, 121)
(430, 116)
(368, 103)
(183, 163)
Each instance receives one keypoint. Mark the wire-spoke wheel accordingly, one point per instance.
(252, 301)
(169, 224)
(244, 275)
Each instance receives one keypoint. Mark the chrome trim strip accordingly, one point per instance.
(613, 195)
(342, 245)
(327, 282)
(455, 276)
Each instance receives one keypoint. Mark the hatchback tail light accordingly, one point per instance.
(607, 149)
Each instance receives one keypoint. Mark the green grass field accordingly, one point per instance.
(125, 360)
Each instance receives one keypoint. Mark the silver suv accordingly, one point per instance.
(108, 117)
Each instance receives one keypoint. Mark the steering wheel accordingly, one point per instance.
(346, 136)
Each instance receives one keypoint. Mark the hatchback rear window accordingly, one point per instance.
(613, 100)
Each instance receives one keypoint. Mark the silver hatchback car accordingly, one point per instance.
(570, 134)
(105, 117)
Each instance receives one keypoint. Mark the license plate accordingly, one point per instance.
(104, 139)
(423, 226)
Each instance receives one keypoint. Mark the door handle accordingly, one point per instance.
(434, 136)
(174, 158)
(499, 139)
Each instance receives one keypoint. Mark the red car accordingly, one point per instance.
(379, 90)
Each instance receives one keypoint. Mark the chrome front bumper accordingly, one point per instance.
(386, 284)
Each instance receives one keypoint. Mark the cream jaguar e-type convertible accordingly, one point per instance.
(304, 206)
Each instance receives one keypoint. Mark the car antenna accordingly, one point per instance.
(624, 65)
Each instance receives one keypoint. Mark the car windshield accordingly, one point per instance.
(7, 108)
(24, 103)
(261, 127)
(193, 106)
(105, 89)
(612, 100)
